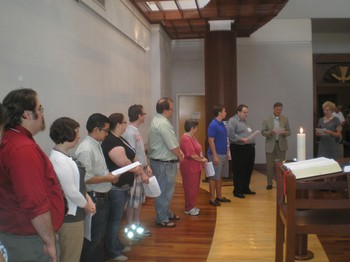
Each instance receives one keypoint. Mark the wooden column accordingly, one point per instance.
(220, 72)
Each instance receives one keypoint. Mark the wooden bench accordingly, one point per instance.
(299, 214)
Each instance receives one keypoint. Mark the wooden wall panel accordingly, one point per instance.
(220, 72)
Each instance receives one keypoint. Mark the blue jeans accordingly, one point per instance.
(92, 250)
(165, 174)
(113, 245)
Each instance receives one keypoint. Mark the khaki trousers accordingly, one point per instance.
(271, 158)
(70, 239)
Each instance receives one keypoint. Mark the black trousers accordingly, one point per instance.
(243, 157)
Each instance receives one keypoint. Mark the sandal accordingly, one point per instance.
(174, 217)
(166, 224)
(223, 199)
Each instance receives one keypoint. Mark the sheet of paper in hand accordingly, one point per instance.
(152, 188)
(209, 169)
(124, 169)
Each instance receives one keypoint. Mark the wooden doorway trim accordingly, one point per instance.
(322, 88)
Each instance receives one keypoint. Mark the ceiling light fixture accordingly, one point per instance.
(202, 3)
(220, 25)
(171, 5)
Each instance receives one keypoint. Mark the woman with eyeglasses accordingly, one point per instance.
(64, 132)
(118, 153)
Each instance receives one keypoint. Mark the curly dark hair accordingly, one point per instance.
(63, 130)
(16, 102)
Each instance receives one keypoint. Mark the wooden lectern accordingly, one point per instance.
(299, 213)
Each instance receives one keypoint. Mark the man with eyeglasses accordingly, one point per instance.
(31, 206)
(164, 153)
(98, 183)
(137, 195)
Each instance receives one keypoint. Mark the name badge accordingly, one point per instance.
(249, 129)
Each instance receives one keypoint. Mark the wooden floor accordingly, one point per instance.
(190, 240)
(243, 230)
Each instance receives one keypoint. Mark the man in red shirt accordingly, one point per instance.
(2, 121)
(31, 206)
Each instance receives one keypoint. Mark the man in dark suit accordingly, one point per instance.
(276, 129)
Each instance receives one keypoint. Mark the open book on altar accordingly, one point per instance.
(313, 167)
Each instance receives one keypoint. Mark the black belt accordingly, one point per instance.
(165, 161)
(98, 194)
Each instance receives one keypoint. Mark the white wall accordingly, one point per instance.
(275, 64)
(77, 62)
(296, 9)
(160, 66)
(188, 66)
(328, 41)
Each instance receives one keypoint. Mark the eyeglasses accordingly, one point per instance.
(106, 130)
(41, 109)
(124, 122)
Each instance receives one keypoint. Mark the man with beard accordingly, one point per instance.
(31, 206)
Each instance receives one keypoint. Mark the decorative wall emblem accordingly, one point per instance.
(338, 74)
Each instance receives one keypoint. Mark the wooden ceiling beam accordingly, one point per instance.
(249, 16)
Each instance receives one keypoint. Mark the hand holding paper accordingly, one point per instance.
(321, 131)
(124, 169)
(278, 130)
(251, 136)
(152, 188)
(209, 169)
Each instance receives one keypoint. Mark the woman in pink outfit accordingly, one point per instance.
(191, 166)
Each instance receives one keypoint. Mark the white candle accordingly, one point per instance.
(301, 147)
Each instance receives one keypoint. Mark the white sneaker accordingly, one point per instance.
(126, 249)
(198, 209)
(120, 258)
(192, 212)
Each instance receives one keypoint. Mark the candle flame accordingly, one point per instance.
(301, 130)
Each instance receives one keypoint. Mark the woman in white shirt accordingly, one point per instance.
(65, 133)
